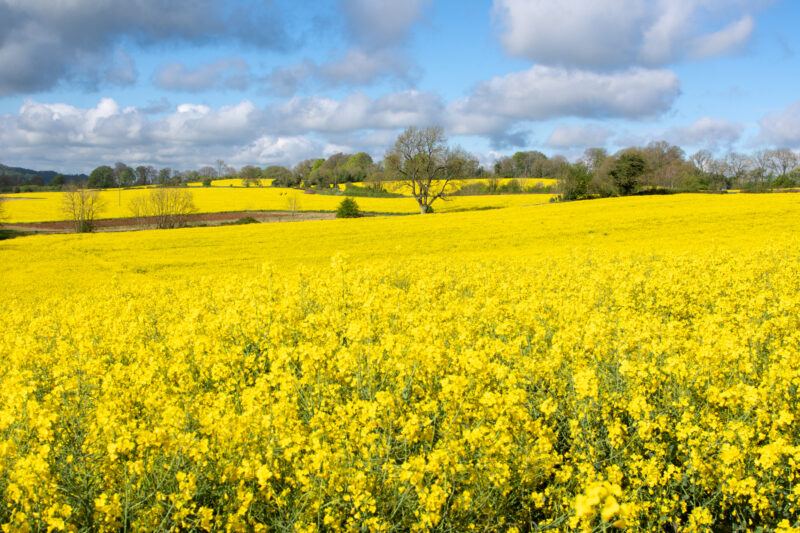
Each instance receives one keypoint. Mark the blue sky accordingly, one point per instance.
(183, 83)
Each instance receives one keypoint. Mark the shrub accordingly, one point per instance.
(206, 182)
(82, 206)
(348, 209)
(165, 207)
(783, 182)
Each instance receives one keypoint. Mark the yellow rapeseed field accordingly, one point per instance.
(46, 206)
(621, 364)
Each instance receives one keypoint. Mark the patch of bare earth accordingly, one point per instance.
(200, 219)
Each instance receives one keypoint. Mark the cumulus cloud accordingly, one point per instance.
(43, 43)
(226, 73)
(203, 125)
(381, 23)
(270, 149)
(357, 111)
(578, 136)
(706, 132)
(621, 33)
(76, 138)
(356, 68)
(782, 128)
(52, 125)
(83, 138)
(542, 93)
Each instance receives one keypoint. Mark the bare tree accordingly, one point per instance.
(422, 160)
(220, 167)
(761, 163)
(737, 166)
(702, 160)
(781, 160)
(293, 203)
(163, 207)
(82, 206)
(593, 158)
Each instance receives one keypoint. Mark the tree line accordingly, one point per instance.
(658, 165)
(662, 167)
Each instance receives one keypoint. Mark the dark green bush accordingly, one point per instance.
(348, 208)
(783, 182)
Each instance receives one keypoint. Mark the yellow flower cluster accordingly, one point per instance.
(539, 384)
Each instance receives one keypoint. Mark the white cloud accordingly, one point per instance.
(357, 112)
(85, 138)
(705, 132)
(782, 128)
(542, 93)
(356, 68)
(727, 39)
(192, 134)
(622, 33)
(360, 68)
(200, 124)
(578, 136)
(381, 23)
(61, 124)
(226, 73)
(273, 150)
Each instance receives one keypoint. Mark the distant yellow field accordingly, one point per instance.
(626, 364)
(404, 188)
(42, 207)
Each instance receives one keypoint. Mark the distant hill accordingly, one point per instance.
(19, 175)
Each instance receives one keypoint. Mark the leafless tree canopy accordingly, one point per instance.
(82, 206)
(421, 159)
(163, 207)
(293, 203)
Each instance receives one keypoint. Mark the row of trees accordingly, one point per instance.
(310, 173)
(660, 166)
(122, 175)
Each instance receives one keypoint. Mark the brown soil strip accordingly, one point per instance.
(15, 198)
(201, 219)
